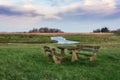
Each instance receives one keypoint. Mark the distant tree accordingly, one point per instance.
(33, 30)
(97, 31)
(105, 29)
(45, 30)
(41, 30)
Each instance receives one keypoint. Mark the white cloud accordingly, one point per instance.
(70, 7)
(4, 2)
(48, 12)
(99, 5)
(93, 6)
(27, 1)
(109, 3)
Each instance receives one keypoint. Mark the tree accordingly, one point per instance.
(45, 30)
(97, 31)
(105, 29)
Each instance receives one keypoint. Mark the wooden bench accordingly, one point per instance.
(48, 52)
(58, 58)
(87, 49)
(51, 53)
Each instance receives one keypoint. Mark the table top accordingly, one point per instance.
(67, 47)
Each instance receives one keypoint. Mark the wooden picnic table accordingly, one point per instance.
(70, 48)
(88, 51)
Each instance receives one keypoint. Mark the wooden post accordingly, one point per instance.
(93, 57)
(45, 53)
(63, 52)
(56, 60)
(74, 55)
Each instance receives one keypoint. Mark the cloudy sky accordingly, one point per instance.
(67, 15)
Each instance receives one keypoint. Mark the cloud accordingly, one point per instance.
(114, 15)
(4, 3)
(14, 11)
(66, 8)
(27, 14)
(91, 6)
(109, 3)
(99, 6)
(27, 0)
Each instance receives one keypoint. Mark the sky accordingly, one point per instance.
(67, 15)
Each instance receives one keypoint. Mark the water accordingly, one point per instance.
(62, 40)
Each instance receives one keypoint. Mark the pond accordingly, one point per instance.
(62, 40)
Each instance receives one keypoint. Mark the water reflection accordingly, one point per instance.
(62, 40)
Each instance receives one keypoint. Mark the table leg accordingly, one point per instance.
(74, 55)
(63, 52)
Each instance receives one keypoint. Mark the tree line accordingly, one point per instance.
(55, 30)
(106, 30)
(45, 30)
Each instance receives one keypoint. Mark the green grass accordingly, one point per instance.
(27, 62)
(95, 39)
(22, 38)
(117, 33)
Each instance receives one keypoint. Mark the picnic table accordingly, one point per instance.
(76, 51)
(72, 49)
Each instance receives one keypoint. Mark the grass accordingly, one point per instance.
(22, 38)
(95, 39)
(27, 62)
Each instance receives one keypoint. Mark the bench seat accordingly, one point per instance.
(88, 51)
(52, 54)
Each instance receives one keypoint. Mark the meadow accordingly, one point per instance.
(23, 61)
(25, 38)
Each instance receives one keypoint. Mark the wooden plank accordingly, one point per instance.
(88, 46)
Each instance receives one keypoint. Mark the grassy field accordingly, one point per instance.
(95, 38)
(27, 61)
(24, 38)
